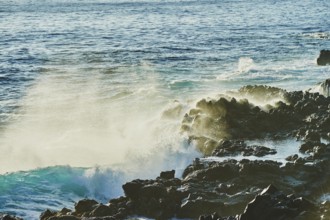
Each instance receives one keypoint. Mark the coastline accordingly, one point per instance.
(97, 95)
(233, 188)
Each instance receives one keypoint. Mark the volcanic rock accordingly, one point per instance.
(8, 217)
(324, 58)
(85, 205)
(232, 148)
(167, 174)
(214, 121)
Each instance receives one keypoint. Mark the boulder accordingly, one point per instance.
(312, 136)
(167, 174)
(271, 204)
(85, 205)
(325, 86)
(131, 189)
(324, 58)
(101, 210)
(232, 148)
(47, 214)
(8, 217)
(153, 191)
(200, 206)
(65, 211)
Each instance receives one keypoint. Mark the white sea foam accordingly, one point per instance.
(290, 75)
(245, 64)
(317, 35)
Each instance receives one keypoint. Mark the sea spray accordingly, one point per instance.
(78, 119)
(245, 64)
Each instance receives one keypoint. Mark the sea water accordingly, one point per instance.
(92, 93)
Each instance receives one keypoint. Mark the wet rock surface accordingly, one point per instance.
(8, 217)
(272, 204)
(232, 148)
(324, 58)
(233, 189)
(325, 87)
(241, 189)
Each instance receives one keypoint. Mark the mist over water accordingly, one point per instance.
(72, 117)
(92, 93)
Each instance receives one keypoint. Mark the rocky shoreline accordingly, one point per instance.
(236, 189)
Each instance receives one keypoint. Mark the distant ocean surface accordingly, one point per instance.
(93, 92)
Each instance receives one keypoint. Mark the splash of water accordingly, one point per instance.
(245, 64)
(83, 119)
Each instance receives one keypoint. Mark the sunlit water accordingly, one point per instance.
(92, 93)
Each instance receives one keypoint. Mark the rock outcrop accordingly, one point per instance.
(8, 217)
(324, 58)
(229, 118)
(272, 204)
(226, 188)
(242, 189)
(325, 88)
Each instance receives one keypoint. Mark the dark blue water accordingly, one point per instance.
(91, 83)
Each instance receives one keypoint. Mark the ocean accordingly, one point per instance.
(93, 93)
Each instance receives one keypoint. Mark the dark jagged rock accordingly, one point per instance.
(273, 205)
(229, 118)
(223, 187)
(325, 86)
(155, 190)
(8, 217)
(292, 158)
(312, 147)
(131, 189)
(193, 208)
(232, 148)
(167, 174)
(47, 214)
(324, 58)
(312, 136)
(65, 211)
(102, 210)
(85, 205)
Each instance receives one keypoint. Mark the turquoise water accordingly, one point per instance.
(92, 93)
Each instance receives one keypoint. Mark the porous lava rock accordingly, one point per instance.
(272, 204)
